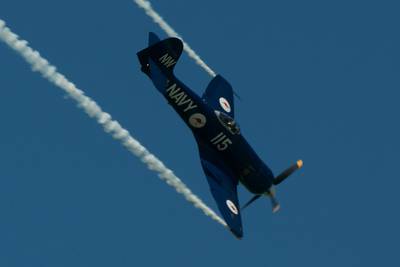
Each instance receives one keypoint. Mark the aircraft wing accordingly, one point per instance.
(223, 187)
(219, 95)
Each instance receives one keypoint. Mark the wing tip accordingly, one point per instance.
(237, 234)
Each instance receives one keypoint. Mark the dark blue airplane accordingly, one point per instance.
(225, 155)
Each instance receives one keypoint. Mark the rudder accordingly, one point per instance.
(153, 38)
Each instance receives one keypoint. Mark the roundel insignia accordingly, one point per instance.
(232, 207)
(225, 104)
(197, 120)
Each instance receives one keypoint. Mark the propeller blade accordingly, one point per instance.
(286, 173)
(274, 203)
(251, 201)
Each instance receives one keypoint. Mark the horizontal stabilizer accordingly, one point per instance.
(164, 53)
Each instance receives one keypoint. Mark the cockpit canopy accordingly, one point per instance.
(228, 122)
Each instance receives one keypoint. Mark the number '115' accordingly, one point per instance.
(221, 141)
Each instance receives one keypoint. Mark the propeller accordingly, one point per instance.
(271, 192)
(274, 202)
(285, 174)
(251, 201)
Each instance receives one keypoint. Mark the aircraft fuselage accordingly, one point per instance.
(208, 130)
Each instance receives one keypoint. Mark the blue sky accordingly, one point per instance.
(318, 81)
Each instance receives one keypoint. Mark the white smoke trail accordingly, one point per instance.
(110, 126)
(146, 5)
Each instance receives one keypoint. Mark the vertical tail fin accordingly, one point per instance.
(153, 38)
